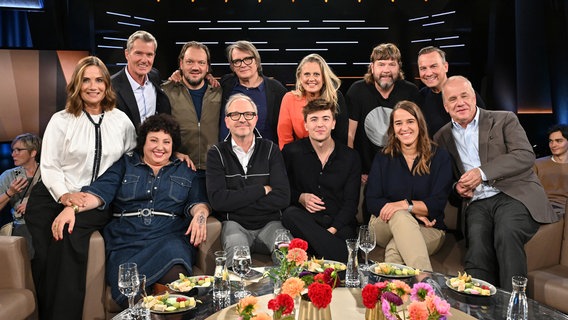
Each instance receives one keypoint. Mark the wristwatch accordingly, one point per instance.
(410, 205)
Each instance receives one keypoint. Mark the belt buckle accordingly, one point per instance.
(147, 215)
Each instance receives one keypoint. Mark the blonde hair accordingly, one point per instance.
(424, 145)
(331, 82)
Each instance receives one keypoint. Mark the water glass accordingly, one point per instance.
(241, 265)
(282, 239)
(128, 283)
(141, 311)
(352, 272)
(366, 243)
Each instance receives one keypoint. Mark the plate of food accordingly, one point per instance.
(465, 284)
(169, 303)
(185, 283)
(319, 265)
(393, 270)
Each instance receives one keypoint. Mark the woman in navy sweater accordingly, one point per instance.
(409, 184)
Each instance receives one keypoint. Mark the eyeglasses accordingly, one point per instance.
(239, 62)
(236, 116)
(18, 150)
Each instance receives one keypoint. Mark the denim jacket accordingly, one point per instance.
(131, 186)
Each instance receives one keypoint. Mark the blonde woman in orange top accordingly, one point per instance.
(314, 79)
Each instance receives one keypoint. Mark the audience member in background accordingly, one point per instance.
(503, 200)
(325, 178)
(370, 102)
(79, 144)
(247, 78)
(246, 181)
(314, 79)
(408, 187)
(137, 86)
(553, 171)
(196, 106)
(148, 229)
(17, 183)
(433, 69)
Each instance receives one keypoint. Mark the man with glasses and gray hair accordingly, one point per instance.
(246, 180)
(247, 79)
(137, 86)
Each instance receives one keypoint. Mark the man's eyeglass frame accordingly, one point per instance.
(236, 116)
(246, 60)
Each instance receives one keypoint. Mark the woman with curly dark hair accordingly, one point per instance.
(158, 216)
(408, 187)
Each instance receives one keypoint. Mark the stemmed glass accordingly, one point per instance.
(366, 243)
(241, 265)
(128, 283)
(282, 239)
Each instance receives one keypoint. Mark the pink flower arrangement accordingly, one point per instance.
(292, 259)
(425, 304)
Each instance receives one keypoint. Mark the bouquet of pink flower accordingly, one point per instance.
(292, 260)
(390, 295)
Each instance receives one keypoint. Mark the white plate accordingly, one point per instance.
(394, 266)
(177, 310)
(172, 285)
(492, 289)
(325, 262)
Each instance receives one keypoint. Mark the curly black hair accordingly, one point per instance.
(155, 123)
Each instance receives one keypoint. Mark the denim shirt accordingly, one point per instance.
(131, 186)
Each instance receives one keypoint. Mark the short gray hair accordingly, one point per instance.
(240, 96)
(142, 35)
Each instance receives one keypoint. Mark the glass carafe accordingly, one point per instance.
(352, 272)
(518, 307)
(221, 284)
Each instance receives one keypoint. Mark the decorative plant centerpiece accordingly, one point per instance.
(292, 258)
(383, 299)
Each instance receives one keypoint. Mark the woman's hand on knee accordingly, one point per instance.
(67, 216)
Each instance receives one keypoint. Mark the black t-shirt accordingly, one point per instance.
(362, 98)
(433, 109)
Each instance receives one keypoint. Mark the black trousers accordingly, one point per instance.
(312, 227)
(497, 230)
(59, 267)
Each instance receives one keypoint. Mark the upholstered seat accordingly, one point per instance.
(17, 292)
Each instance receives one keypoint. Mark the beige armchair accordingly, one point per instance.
(17, 292)
(98, 302)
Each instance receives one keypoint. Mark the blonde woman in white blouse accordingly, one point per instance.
(79, 144)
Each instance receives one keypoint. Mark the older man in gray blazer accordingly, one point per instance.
(503, 200)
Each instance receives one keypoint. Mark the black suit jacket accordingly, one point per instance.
(126, 101)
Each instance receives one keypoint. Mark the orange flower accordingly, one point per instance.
(247, 305)
(417, 310)
(293, 286)
(297, 255)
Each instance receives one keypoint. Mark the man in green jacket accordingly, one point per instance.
(196, 106)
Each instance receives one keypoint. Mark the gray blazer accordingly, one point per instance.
(506, 158)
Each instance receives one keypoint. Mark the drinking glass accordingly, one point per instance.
(366, 243)
(282, 239)
(128, 283)
(141, 311)
(241, 265)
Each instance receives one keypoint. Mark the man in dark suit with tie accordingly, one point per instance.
(137, 86)
(504, 202)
